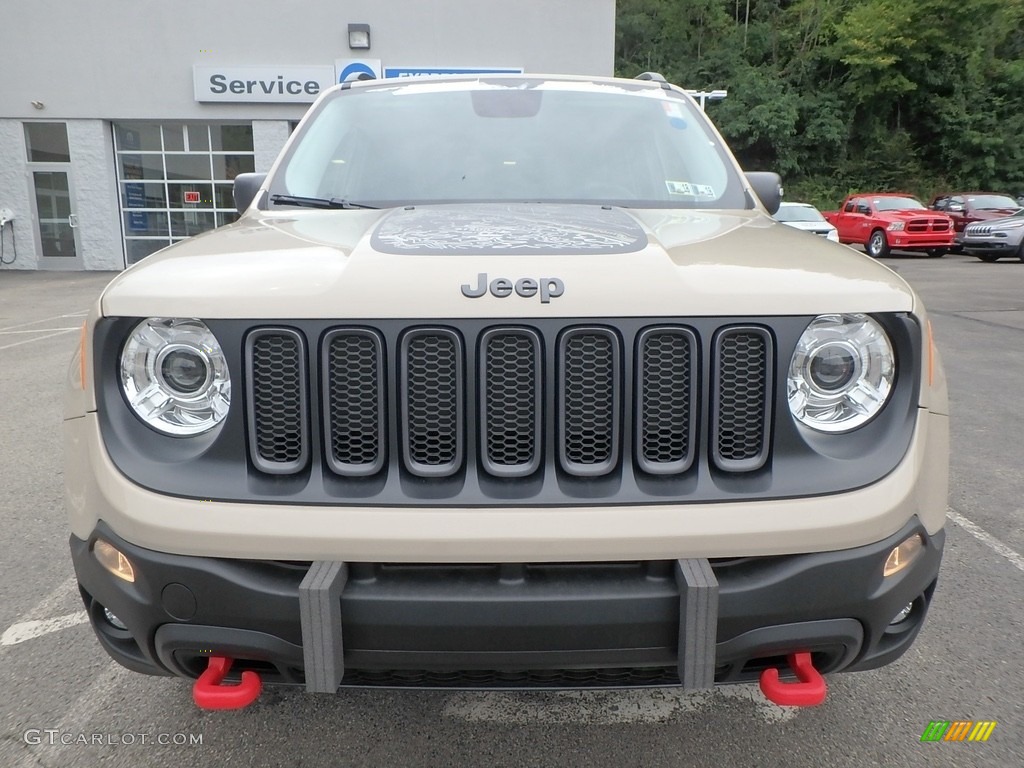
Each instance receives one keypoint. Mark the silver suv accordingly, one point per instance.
(507, 381)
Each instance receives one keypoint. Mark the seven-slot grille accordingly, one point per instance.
(586, 371)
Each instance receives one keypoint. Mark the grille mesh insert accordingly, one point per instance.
(588, 398)
(277, 399)
(355, 397)
(511, 400)
(666, 399)
(742, 397)
(432, 397)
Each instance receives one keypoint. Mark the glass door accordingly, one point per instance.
(56, 222)
(53, 196)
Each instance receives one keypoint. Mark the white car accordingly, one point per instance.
(808, 218)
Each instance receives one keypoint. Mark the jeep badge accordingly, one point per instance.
(548, 287)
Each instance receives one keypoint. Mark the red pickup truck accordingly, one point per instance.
(882, 221)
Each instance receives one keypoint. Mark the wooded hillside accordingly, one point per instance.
(923, 96)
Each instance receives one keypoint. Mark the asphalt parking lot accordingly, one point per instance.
(59, 686)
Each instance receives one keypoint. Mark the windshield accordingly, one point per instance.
(897, 204)
(511, 140)
(992, 201)
(798, 213)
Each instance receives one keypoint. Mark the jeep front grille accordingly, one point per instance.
(520, 412)
(496, 416)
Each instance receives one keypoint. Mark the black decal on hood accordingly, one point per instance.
(509, 229)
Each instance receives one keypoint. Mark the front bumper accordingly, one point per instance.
(1000, 246)
(914, 241)
(475, 626)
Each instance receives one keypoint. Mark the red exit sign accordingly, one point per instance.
(191, 197)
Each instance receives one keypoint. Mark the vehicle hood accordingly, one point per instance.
(989, 214)
(420, 262)
(911, 213)
(1004, 221)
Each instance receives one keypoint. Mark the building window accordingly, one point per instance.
(175, 179)
(47, 143)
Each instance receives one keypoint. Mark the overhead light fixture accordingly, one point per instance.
(359, 36)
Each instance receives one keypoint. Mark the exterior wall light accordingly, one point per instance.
(359, 36)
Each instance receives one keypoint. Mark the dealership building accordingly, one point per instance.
(122, 124)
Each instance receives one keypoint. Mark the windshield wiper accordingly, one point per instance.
(318, 202)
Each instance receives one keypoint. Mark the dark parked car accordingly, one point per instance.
(991, 240)
(967, 207)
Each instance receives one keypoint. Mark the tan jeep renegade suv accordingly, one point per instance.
(506, 381)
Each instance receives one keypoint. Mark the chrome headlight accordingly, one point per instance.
(841, 373)
(175, 377)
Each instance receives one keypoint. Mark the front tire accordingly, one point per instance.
(936, 253)
(878, 246)
(991, 258)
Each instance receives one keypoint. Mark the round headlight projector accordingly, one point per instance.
(841, 373)
(175, 377)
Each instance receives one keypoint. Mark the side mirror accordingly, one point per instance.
(245, 189)
(864, 209)
(768, 187)
(956, 208)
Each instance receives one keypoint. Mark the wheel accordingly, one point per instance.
(936, 253)
(1020, 251)
(991, 258)
(877, 246)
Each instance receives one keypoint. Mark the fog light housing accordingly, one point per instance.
(114, 560)
(112, 619)
(903, 555)
(902, 615)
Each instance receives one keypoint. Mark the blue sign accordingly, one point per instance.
(349, 70)
(427, 71)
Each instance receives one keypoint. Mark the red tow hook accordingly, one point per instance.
(809, 692)
(209, 693)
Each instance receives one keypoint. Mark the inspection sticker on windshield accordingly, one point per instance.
(674, 113)
(686, 188)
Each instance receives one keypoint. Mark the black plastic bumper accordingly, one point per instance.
(548, 625)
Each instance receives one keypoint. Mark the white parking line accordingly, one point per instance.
(38, 338)
(986, 538)
(40, 330)
(23, 628)
(29, 630)
(80, 313)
